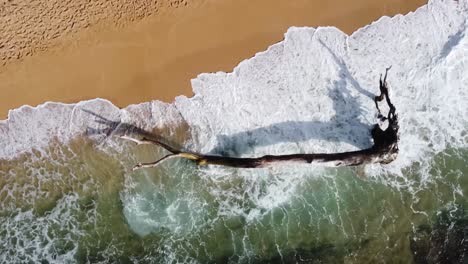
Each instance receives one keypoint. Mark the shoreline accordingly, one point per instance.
(133, 65)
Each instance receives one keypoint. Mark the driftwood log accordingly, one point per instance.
(384, 149)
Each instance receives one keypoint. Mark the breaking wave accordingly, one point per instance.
(67, 192)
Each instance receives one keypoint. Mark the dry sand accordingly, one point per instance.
(135, 51)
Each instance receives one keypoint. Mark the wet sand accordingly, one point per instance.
(153, 55)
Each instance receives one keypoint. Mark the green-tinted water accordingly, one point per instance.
(80, 203)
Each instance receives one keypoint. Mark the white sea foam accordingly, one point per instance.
(33, 239)
(312, 92)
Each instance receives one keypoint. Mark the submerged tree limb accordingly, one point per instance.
(384, 150)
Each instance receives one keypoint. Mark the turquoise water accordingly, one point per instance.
(80, 203)
(312, 92)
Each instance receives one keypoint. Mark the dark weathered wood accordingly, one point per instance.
(384, 150)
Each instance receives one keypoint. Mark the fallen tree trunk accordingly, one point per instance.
(384, 150)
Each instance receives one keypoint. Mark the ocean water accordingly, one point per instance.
(68, 194)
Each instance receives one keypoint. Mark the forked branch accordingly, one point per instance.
(384, 150)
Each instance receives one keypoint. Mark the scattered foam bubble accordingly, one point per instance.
(312, 92)
(53, 238)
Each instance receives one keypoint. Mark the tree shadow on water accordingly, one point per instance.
(346, 126)
(118, 128)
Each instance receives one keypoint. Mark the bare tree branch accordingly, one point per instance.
(384, 150)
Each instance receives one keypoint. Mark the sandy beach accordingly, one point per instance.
(135, 51)
(286, 160)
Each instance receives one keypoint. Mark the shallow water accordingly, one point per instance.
(67, 192)
(85, 205)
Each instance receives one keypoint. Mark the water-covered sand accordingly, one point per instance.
(68, 193)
